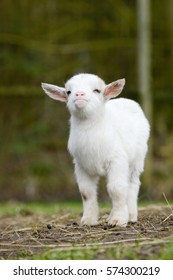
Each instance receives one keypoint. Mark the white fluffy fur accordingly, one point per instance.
(107, 138)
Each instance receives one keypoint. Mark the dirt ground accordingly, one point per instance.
(27, 234)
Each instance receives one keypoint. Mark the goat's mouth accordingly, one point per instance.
(80, 102)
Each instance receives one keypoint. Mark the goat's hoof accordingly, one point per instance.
(133, 218)
(114, 221)
(117, 224)
(88, 221)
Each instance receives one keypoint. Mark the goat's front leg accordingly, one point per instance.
(117, 185)
(88, 189)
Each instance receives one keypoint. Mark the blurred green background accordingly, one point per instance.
(49, 41)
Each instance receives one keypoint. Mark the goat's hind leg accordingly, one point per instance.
(117, 186)
(134, 185)
(132, 201)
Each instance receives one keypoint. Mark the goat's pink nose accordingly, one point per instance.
(80, 93)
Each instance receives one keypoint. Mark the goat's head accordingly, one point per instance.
(84, 93)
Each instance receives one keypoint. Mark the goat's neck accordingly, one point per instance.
(93, 120)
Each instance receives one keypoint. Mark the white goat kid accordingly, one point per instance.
(107, 138)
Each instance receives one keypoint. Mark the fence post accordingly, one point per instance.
(144, 74)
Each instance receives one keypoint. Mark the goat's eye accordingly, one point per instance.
(68, 92)
(97, 90)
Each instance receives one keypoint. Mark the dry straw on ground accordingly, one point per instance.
(25, 236)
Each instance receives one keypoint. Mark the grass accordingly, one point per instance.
(15, 208)
(124, 252)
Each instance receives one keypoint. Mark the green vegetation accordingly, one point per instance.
(51, 40)
(40, 208)
(75, 207)
(121, 252)
(76, 254)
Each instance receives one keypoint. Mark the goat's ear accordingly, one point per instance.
(55, 92)
(114, 89)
